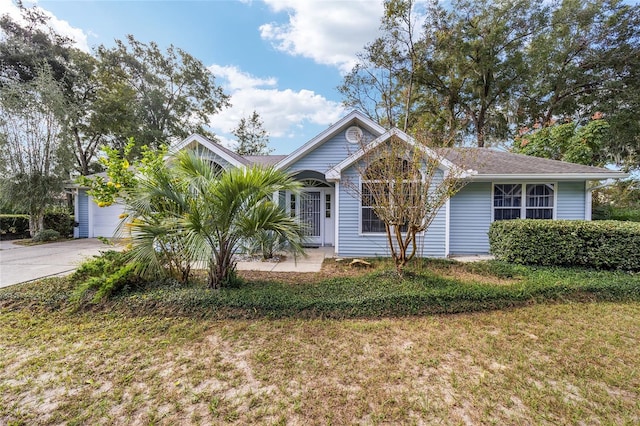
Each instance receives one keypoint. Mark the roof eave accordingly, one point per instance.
(551, 176)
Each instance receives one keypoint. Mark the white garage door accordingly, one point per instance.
(105, 219)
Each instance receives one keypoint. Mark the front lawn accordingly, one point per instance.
(430, 287)
(265, 353)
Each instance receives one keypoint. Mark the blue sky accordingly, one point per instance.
(283, 58)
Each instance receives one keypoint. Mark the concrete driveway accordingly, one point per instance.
(26, 263)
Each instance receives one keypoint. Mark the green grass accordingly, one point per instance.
(429, 288)
(569, 363)
(264, 353)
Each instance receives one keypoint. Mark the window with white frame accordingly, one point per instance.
(507, 201)
(371, 223)
(523, 200)
(216, 167)
(539, 201)
(292, 205)
(401, 200)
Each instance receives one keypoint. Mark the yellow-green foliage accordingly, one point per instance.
(121, 174)
(104, 276)
(566, 142)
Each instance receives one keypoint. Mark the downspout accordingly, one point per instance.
(336, 221)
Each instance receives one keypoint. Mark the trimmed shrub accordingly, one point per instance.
(14, 226)
(631, 215)
(59, 221)
(601, 244)
(601, 212)
(46, 235)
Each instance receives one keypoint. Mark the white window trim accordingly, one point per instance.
(523, 206)
(360, 231)
(287, 197)
(447, 226)
(367, 234)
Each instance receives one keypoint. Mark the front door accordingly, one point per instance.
(310, 216)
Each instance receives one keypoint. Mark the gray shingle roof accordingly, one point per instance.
(488, 161)
(264, 160)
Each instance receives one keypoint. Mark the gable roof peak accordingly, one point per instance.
(355, 117)
(334, 173)
(224, 152)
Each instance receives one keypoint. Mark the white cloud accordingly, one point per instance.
(284, 112)
(236, 79)
(7, 7)
(329, 32)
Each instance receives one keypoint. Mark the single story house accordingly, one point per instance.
(501, 185)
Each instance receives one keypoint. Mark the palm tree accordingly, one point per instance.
(190, 212)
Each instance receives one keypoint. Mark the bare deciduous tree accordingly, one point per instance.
(403, 184)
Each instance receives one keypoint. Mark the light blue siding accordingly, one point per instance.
(469, 219)
(328, 154)
(571, 200)
(471, 214)
(83, 214)
(354, 244)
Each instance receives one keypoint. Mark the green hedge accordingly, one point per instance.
(606, 212)
(16, 226)
(61, 222)
(601, 244)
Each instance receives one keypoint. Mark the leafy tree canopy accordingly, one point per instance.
(173, 93)
(34, 159)
(566, 141)
(473, 70)
(252, 138)
(131, 90)
(25, 48)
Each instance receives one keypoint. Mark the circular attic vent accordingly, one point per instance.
(353, 134)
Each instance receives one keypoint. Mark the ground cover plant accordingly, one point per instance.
(265, 353)
(429, 287)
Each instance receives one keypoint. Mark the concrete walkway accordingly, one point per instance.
(465, 258)
(20, 264)
(312, 262)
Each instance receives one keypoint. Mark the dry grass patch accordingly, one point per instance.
(467, 273)
(332, 268)
(544, 364)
